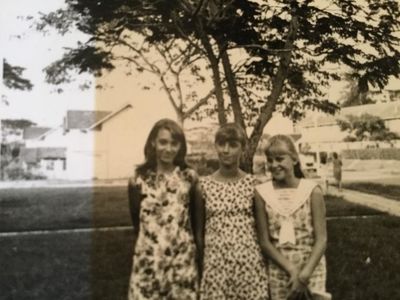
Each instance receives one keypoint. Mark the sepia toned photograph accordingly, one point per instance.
(199, 149)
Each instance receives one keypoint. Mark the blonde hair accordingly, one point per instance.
(292, 151)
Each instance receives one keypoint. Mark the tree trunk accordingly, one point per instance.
(180, 118)
(269, 107)
(215, 70)
(232, 87)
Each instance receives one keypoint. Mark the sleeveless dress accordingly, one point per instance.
(164, 258)
(291, 232)
(233, 264)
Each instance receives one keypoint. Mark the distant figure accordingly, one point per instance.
(161, 194)
(337, 170)
(291, 225)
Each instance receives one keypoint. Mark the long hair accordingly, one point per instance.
(284, 139)
(150, 163)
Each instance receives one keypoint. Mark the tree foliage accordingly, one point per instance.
(262, 56)
(13, 77)
(366, 127)
(17, 123)
(353, 95)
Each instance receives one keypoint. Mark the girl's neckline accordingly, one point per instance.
(167, 173)
(286, 187)
(233, 180)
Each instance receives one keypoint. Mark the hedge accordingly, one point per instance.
(376, 153)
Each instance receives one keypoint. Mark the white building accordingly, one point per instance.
(97, 145)
(321, 132)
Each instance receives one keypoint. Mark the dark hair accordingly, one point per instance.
(176, 131)
(284, 139)
(335, 155)
(231, 132)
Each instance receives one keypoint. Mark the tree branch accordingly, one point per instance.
(199, 103)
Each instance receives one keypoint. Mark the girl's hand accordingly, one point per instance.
(304, 277)
(296, 286)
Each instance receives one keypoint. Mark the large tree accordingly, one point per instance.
(264, 56)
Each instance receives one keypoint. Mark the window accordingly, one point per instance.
(50, 165)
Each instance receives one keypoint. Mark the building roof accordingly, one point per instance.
(51, 152)
(83, 119)
(34, 132)
(33, 155)
(110, 116)
(90, 119)
(385, 111)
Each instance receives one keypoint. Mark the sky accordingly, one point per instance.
(26, 47)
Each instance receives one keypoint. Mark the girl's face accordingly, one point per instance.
(280, 162)
(229, 152)
(166, 147)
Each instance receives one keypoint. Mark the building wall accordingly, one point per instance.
(119, 146)
(53, 168)
(393, 125)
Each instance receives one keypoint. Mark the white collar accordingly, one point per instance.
(269, 194)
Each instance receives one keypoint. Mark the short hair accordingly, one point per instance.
(231, 132)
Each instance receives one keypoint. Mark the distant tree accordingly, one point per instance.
(266, 56)
(13, 77)
(17, 123)
(366, 128)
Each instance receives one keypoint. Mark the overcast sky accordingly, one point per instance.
(26, 47)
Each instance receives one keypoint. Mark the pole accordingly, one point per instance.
(317, 146)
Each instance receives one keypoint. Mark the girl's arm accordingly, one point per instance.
(198, 217)
(320, 234)
(135, 196)
(267, 248)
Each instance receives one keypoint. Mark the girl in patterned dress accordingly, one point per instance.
(164, 215)
(290, 214)
(233, 264)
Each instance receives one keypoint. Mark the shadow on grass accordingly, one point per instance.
(390, 191)
(338, 207)
(68, 266)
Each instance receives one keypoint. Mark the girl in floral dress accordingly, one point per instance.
(290, 213)
(233, 264)
(165, 216)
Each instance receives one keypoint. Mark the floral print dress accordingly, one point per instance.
(164, 257)
(292, 233)
(233, 266)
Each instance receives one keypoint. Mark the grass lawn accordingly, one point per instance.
(63, 208)
(391, 191)
(67, 266)
(337, 207)
(363, 257)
